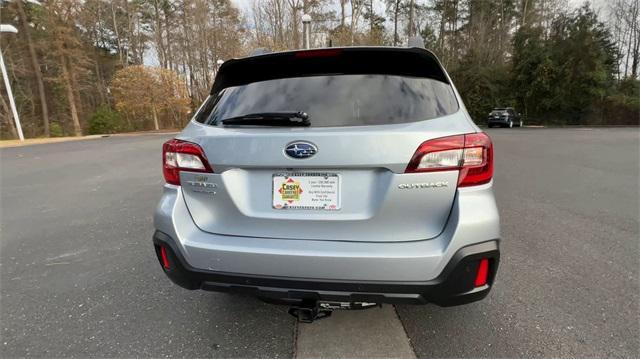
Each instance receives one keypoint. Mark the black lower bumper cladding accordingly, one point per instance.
(454, 286)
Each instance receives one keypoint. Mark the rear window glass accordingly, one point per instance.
(338, 100)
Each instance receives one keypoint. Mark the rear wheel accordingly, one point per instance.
(510, 124)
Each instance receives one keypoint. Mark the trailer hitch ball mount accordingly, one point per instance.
(308, 311)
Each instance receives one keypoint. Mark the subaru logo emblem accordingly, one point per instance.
(300, 149)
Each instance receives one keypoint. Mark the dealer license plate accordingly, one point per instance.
(302, 190)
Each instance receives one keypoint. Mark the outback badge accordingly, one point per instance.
(423, 185)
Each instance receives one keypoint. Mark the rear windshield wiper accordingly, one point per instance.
(298, 118)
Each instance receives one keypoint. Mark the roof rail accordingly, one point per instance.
(260, 51)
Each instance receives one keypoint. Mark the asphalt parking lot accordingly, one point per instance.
(79, 277)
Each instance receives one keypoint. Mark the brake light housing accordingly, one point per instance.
(178, 155)
(471, 154)
(318, 53)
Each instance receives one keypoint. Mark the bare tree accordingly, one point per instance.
(625, 19)
(35, 63)
(356, 11)
(394, 8)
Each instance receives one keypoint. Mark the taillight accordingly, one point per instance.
(482, 274)
(471, 154)
(178, 155)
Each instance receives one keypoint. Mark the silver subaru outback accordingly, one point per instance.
(338, 175)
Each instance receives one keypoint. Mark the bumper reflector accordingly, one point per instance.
(483, 271)
(165, 259)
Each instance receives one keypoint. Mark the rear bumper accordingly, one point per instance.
(498, 121)
(473, 219)
(454, 285)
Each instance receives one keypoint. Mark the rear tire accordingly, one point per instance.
(510, 124)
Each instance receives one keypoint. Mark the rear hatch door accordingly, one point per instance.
(347, 182)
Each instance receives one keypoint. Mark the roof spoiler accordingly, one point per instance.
(412, 62)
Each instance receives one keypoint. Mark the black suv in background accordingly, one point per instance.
(504, 117)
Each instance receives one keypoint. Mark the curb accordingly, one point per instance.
(51, 140)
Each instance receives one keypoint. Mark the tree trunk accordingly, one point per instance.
(628, 55)
(352, 27)
(295, 22)
(99, 79)
(129, 34)
(371, 18)
(396, 12)
(454, 28)
(115, 29)
(139, 41)
(636, 44)
(167, 26)
(410, 30)
(77, 130)
(186, 50)
(634, 62)
(36, 68)
(442, 24)
(162, 55)
(76, 89)
(500, 37)
(155, 117)
(523, 22)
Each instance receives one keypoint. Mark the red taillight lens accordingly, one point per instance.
(178, 155)
(165, 259)
(472, 154)
(479, 169)
(483, 273)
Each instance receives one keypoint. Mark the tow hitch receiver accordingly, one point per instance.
(311, 310)
(308, 315)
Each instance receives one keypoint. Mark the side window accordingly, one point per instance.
(205, 110)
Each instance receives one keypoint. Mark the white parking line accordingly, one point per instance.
(370, 333)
